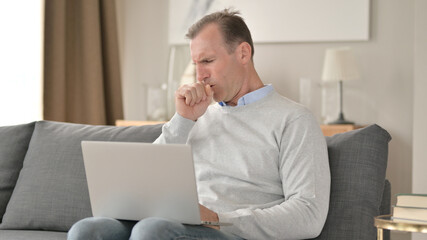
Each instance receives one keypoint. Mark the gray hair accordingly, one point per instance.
(233, 28)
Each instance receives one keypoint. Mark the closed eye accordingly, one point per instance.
(207, 61)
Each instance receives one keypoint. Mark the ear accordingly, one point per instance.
(245, 52)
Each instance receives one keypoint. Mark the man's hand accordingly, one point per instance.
(192, 100)
(207, 215)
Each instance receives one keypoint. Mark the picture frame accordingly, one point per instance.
(275, 21)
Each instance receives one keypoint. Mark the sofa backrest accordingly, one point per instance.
(358, 163)
(14, 142)
(51, 192)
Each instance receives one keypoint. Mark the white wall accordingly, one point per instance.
(419, 177)
(383, 95)
(420, 99)
(143, 39)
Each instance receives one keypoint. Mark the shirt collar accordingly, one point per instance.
(252, 96)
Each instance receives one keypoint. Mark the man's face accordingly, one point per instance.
(215, 65)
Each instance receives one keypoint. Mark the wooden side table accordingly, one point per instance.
(332, 129)
(386, 222)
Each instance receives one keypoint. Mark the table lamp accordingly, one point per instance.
(339, 66)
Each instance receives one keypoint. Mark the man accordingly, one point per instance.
(260, 159)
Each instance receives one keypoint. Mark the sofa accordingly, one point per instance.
(43, 189)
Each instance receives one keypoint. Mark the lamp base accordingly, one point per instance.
(340, 120)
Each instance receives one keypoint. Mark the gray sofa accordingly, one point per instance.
(43, 189)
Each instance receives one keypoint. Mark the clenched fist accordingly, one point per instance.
(192, 100)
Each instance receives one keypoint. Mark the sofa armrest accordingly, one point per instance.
(385, 207)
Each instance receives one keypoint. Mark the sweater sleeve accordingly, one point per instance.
(305, 176)
(175, 131)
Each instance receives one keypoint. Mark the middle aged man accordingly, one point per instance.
(260, 159)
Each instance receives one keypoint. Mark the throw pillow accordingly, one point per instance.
(14, 142)
(51, 192)
(358, 162)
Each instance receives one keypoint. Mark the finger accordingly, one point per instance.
(186, 93)
(208, 90)
(187, 97)
(201, 93)
(190, 97)
(197, 93)
(179, 93)
(193, 94)
(194, 97)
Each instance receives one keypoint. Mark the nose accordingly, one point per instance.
(201, 73)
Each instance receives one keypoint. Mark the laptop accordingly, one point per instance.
(133, 181)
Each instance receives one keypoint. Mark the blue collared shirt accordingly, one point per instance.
(252, 96)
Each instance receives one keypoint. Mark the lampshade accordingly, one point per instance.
(339, 65)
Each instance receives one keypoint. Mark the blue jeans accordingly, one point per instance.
(150, 228)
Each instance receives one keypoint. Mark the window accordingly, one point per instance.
(21, 26)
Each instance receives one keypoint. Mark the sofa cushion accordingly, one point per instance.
(14, 142)
(358, 162)
(51, 192)
(33, 235)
